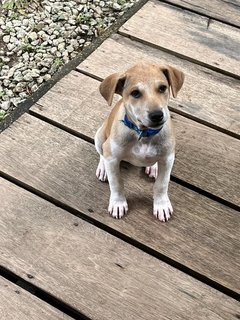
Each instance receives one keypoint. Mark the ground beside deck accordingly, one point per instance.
(62, 256)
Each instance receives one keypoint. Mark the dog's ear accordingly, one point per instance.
(112, 84)
(175, 79)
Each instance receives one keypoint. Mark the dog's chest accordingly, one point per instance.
(142, 154)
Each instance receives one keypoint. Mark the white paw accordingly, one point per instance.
(117, 208)
(162, 208)
(101, 171)
(152, 171)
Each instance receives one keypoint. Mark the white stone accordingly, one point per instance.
(5, 105)
(10, 53)
(40, 80)
(53, 50)
(16, 101)
(70, 49)
(116, 6)
(28, 77)
(33, 35)
(61, 46)
(20, 34)
(74, 43)
(9, 93)
(34, 87)
(6, 39)
(47, 77)
(17, 23)
(48, 8)
(10, 46)
(25, 22)
(14, 40)
(20, 87)
(18, 77)
(22, 95)
(5, 59)
(35, 73)
(35, 42)
(25, 56)
(19, 65)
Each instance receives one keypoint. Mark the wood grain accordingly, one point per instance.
(203, 234)
(188, 34)
(18, 304)
(206, 95)
(95, 272)
(205, 157)
(224, 10)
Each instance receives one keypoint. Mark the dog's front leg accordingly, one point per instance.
(117, 203)
(162, 208)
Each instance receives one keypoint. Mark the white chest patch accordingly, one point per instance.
(144, 150)
(142, 154)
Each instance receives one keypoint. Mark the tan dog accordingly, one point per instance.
(139, 130)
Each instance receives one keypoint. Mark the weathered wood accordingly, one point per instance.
(188, 34)
(95, 272)
(205, 157)
(18, 304)
(206, 95)
(203, 234)
(224, 10)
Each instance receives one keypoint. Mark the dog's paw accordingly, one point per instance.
(152, 171)
(101, 171)
(162, 209)
(117, 208)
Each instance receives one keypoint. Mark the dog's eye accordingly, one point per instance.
(136, 94)
(162, 88)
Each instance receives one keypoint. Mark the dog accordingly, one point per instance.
(139, 130)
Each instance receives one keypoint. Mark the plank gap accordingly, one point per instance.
(42, 294)
(205, 193)
(73, 132)
(160, 256)
(204, 122)
(211, 17)
(180, 55)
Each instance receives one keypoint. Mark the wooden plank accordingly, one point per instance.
(18, 304)
(187, 34)
(203, 234)
(224, 10)
(99, 274)
(207, 96)
(205, 157)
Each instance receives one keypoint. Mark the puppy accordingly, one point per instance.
(139, 130)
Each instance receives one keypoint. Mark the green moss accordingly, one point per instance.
(19, 5)
(3, 114)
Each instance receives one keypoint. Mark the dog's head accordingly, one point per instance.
(145, 89)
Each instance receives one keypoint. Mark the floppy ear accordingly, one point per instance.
(175, 79)
(112, 84)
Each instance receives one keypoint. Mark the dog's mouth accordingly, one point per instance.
(151, 126)
(142, 127)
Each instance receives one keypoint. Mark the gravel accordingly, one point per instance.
(36, 42)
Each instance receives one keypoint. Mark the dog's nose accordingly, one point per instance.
(156, 116)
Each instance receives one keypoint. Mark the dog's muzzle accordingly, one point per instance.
(156, 118)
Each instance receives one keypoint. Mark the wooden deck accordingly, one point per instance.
(61, 255)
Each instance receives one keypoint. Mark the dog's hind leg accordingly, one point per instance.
(152, 171)
(99, 140)
(101, 172)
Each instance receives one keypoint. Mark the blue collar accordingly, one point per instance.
(141, 133)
